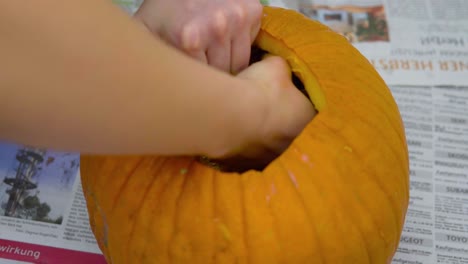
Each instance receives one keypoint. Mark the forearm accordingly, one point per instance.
(80, 75)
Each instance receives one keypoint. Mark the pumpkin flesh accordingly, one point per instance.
(338, 194)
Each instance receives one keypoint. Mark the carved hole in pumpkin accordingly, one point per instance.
(243, 165)
(257, 54)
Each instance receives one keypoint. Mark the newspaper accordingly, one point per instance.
(417, 42)
(43, 215)
(436, 124)
(420, 49)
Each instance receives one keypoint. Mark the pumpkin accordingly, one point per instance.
(338, 194)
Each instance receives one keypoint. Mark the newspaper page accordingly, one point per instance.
(417, 42)
(43, 214)
(436, 124)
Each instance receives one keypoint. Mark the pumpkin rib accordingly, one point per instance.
(272, 215)
(296, 147)
(306, 208)
(375, 225)
(94, 209)
(91, 203)
(86, 164)
(306, 211)
(105, 234)
(391, 201)
(176, 216)
(95, 180)
(380, 185)
(275, 213)
(260, 245)
(314, 186)
(173, 200)
(124, 184)
(244, 220)
(129, 243)
(84, 178)
(102, 240)
(344, 204)
(127, 202)
(156, 206)
(358, 196)
(159, 163)
(383, 112)
(105, 181)
(228, 186)
(380, 132)
(215, 213)
(108, 214)
(199, 208)
(383, 98)
(261, 248)
(383, 95)
(184, 243)
(274, 187)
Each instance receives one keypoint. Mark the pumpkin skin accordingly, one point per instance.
(338, 194)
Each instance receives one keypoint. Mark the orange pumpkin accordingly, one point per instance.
(338, 194)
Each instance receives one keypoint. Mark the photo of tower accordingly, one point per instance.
(36, 184)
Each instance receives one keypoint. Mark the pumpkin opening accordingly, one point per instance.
(241, 166)
(257, 54)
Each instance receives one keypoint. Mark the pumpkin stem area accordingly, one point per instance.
(242, 165)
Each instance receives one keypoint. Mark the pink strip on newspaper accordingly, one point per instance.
(39, 254)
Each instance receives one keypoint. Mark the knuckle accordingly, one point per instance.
(277, 61)
(256, 10)
(239, 14)
(189, 37)
(220, 23)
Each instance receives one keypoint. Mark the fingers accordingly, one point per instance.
(255, 13)
(191, 42)
(225, 35)
(199, 55)
(240, 53)
(218, 50)
(219, 33)
(248, 16)
(219, 55)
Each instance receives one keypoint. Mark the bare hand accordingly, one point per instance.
(217, 32)
(288, 112)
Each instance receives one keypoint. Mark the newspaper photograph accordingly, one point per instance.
(43, 214)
